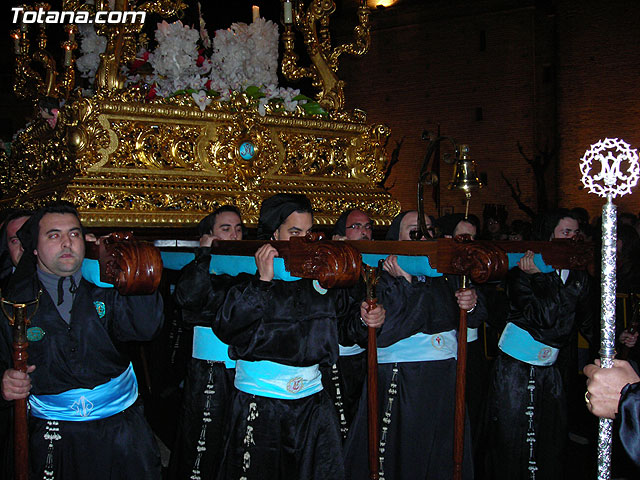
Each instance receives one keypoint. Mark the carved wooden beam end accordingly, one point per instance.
(333, 264)
(133, 267)
(481, 261)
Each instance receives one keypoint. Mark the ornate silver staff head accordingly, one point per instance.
(619, 172)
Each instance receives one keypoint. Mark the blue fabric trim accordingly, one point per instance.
(413, 265)
(176, 260)
(91, 273)
(82, 404)
(274, 380)
(421, 347)
(227, 264)
(233, 265)
(207, 346)
(352, 350)
(514, 258)
(519, 344)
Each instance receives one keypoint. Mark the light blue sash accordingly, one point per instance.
(472, 334)
(352, 350)
(206, 346)
(519, 344)
(274, 380)
(421, 347)
(83, 404)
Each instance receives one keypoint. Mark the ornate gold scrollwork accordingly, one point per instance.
(132, 162)
(313, 24)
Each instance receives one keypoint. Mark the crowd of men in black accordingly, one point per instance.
(263, 376)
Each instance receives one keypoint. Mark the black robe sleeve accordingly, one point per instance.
(629, 415)
(199, 293)
(545, 307)
(136, 318)
(286, 322)
(426, 305)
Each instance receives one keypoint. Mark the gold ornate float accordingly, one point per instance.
(133, 162)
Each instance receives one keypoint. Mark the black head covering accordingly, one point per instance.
(275, 210)
(340, 227)
(28, 236)
(394, 230)
(6, 266)
(448, 223)
(29, 232)
(206, 224)
(545, 223)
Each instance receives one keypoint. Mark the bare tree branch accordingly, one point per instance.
(516, 194)
(395, 158)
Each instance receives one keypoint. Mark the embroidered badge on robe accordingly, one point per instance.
(100, 308)
(437, 341)
(295, 384)
(35, 334)
(318, 288)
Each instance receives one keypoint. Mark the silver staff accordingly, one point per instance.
(618, 174)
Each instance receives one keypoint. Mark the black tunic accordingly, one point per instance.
(629, 415)
(291, 323)
(343, 380)
(550, 311)
(83, 354)
(417, 398)
(208, 387)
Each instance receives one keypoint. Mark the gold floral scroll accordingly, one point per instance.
(128, 163)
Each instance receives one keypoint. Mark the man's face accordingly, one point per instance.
(465, 228)
(296, 225)
(228, 226)
(15, 246)
(60, 249)
(409, 228)
(493, 226)
(358, 226)
(566, 228)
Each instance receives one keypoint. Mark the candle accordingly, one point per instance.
(255, 10)
(16, 41)
(288, 14)
(67, 56)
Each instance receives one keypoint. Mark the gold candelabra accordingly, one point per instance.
(38, 74)
(129, 160)
(313, 23)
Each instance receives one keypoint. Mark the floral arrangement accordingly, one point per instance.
(186, 61)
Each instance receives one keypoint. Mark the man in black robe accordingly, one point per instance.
(417, 350)
(526, 406)
(10, 253)
(85, 417)
(282, 423)
(614, 393)
(198, 448)
(347, 376)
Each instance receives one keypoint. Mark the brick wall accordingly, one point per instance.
(599, 88)
(496, 73)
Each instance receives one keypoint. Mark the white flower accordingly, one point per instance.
(245, 55)
(201, 99)
(91, 46)
(175, 58)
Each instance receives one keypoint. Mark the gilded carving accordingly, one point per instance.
(129, 161)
